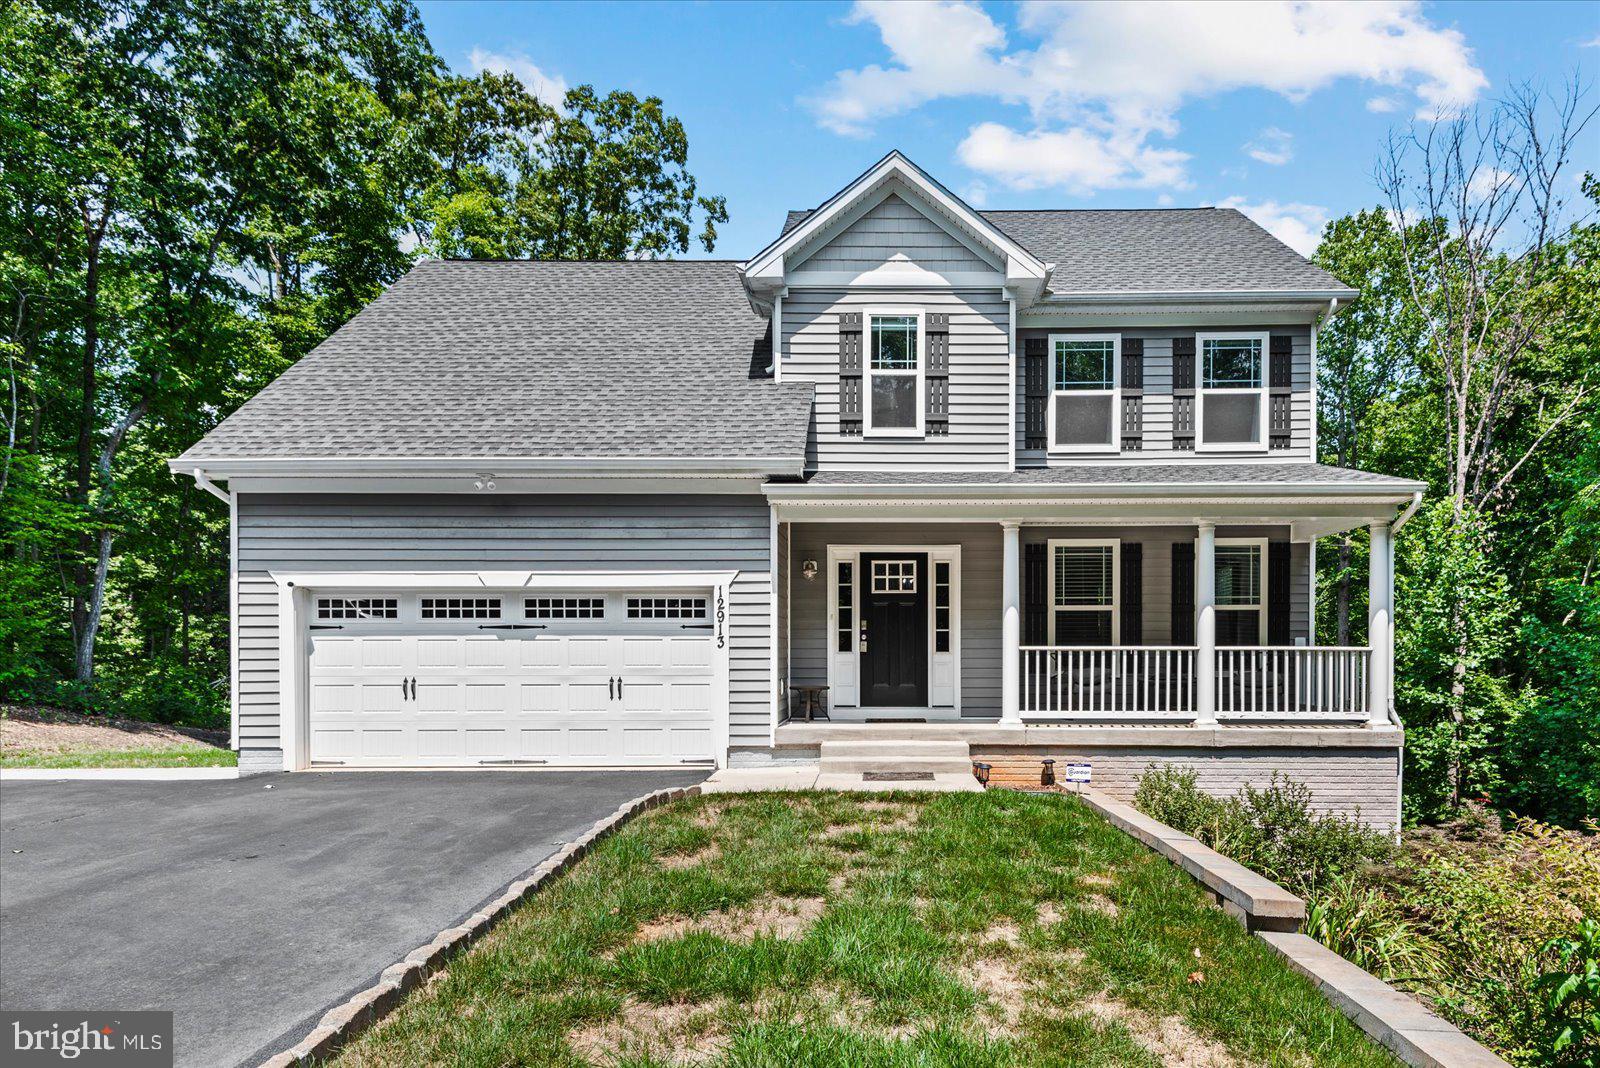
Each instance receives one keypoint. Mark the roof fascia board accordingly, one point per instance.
(1320, 297)
(1022, 267)
(507, 466)
(1397, 493)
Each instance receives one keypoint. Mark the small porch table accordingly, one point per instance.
(813, 702)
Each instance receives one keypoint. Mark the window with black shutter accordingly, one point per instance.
(1036, 386)
(1084, 591)
(1183, 593)
(1132, 609)
(850, 373)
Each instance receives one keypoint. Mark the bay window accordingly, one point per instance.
(1084, 373)
(894, 374)
(1232, 398)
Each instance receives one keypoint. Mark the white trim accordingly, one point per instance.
(502, 466)
(1265, 595)
(772, 622)
(1113, 430)
(920, 373)
(1115, 545)
(777, 336)
(1199, 296)
(233, 621)
(296, 588)
(1264, 370)
(851, 554)
(1013, 436)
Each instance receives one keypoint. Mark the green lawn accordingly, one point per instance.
(187, 756)
(811, 930)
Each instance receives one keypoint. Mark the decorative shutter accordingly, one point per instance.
(1035, 620)
(1132, 610)
(1183, 378)
(1280, 429)
(1183, 593)
(850, 373)
(937, 375)
(1132, 393)
(1036, 379)
(1278, 594)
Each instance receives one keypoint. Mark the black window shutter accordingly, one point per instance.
(1036, 379)
(1132, 393)
(1035, 629)
(1183, 593)
(937, 374)
(850, 373)
(1183, 393)
(1278, 594)
(1132, 610)
(1280, 428)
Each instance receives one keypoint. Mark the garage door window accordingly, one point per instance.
(461, 608)
(358, 608)
(565, 607)
(666, 607)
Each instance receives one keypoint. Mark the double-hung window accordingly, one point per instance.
(1084, 578)
(1084, 374)
(894, 373)
(1233, 395)
(1241, 593)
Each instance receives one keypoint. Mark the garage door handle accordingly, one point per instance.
(694, 626)
(511, 626)
(619, 687)
(326, 626)
(413, 687)
(611, 687)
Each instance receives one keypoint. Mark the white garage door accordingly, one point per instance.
(600, 678)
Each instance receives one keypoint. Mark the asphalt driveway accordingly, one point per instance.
(248, 911)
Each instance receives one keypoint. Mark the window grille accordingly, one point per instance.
(666, 607)
(358, 608)
(461, 608)
(564, 607)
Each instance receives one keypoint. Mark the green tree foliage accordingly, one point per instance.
(192, 195)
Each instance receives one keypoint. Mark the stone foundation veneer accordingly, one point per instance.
(1359, 783)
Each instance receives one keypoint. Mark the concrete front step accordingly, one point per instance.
(859, 757)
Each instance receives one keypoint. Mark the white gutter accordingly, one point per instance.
(1196, 296)
(1398, 493)
(501, 466)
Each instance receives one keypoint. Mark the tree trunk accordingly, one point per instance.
(96, 600)
(85, 605)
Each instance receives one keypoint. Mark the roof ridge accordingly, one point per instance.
(525, 259)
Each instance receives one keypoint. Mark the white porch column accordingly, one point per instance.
(1011, 623)
(1380, 622)
(1205, 623)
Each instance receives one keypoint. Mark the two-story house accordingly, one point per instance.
(1011, 486)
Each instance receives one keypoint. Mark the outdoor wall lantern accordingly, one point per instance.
(808, 570)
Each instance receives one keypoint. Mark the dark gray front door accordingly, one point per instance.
(894, 630)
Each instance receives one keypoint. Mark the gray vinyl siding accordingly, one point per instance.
(1158, 396)
(980, 600)
(382, 532)
(1156, 619)
(891, 228)
(980, 376)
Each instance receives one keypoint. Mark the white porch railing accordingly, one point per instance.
(1292, 683)
(1108, 683)
(1157, 683)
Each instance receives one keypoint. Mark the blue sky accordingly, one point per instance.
(1278, 109)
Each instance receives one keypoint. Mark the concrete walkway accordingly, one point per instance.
(809, 777)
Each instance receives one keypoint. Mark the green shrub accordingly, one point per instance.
(1273, 830)
(1572, 998)
(1366, 928)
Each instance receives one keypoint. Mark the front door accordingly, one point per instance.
(894, 630)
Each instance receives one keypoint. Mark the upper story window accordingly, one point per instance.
(1232, 397)
(1083, 599)
(1241, 600)
(1083, 392)
(894, 374)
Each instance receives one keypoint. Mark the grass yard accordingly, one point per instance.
(32, 737)
(799, 930)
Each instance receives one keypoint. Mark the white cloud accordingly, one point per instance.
(976, 194)
(1593, 42)
(1383, 105)
(551, 88)
(1297, 225)
(1107, 79)
(1164, 200)
(1271, 146)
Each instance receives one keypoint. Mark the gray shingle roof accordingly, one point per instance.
(1156, 250)
(1274, 474)
(534, 359)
